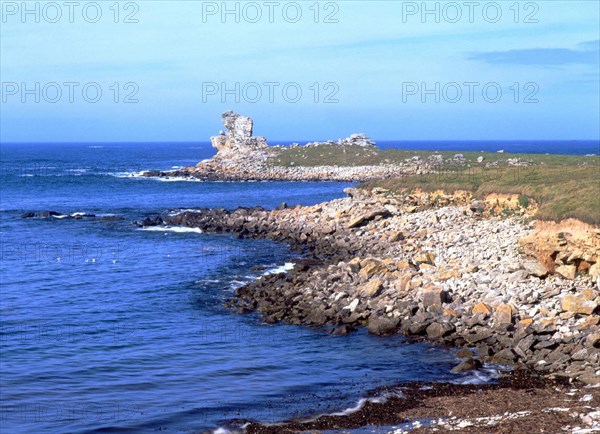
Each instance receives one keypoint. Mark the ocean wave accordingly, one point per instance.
(130, 174)
(483, 375)
(359, 406)
(177, 229)
(280, 269)
(77, 214)
(176, 212)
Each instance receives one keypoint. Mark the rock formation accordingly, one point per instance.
(238, 137)
(359, 139)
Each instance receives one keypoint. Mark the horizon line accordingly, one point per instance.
(274, 142)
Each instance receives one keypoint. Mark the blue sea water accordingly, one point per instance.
(108, 328)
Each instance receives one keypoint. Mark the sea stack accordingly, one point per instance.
(238, 138)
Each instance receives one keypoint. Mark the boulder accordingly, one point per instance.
(367, 217)
(578, 304)
(467, 365)
(433, 296)
(535, 268)
(438, 330)
(371, 288)
(504, 314)
(567, 271)
(382, 325)
(425, 258)
(481, 308)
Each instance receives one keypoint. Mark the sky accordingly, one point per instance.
(149, 71)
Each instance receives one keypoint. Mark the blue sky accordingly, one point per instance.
(385, 69)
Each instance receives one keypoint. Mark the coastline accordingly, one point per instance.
(395, 265)
(394, 271)
(479, 274)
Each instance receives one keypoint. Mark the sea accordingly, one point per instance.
(109, 328)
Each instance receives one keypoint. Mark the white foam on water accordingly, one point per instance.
(480, 376)
(174, 178)
(177, 229)
(280, 269)
(181, 211)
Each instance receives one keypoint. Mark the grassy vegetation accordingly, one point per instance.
(563, 186)
(332, 155)
(560, 191)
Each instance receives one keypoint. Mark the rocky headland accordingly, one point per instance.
(243, 157)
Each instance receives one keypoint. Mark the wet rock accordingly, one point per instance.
(504, 356)
(467, 365)
(151, 221)
(438, 330)
(42, 214)
(382, 325)
(464, 353)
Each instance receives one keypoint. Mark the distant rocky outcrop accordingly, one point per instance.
(359, 139)
(238, 137)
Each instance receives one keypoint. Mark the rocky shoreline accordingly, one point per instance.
(401, 266)
(478, 275)
(529, 404)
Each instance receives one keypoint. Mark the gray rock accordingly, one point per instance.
(359, 139)
(382, 325)
(438, 330)
(535, 268)
(466, 365)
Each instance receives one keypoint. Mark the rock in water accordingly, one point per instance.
(238, 136)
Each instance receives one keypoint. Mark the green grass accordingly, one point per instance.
(332, 155)
(561, 190)
(563, 186)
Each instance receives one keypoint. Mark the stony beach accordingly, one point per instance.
(480, 275)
